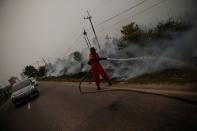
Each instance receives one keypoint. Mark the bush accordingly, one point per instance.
(132, 33)
(163, 30)
(30, 71)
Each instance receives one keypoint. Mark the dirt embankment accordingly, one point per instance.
(168, 76)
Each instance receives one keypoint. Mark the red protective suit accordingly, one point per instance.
(97, 69)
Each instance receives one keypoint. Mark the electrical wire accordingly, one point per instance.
(136, 14)
(72, 44)
(120, 13)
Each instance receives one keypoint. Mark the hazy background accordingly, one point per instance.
(34, 29)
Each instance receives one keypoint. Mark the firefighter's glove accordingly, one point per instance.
(89, 62)
(103, 58)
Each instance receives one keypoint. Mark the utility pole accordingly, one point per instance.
(90, 19)
(86, 38)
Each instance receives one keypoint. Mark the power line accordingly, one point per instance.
(100, 6)
(75, 42)
(160, 2)
(142, 11)
(136, 14)
(120, 13)
(72, 44)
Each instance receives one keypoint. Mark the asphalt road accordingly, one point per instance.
(61, 107)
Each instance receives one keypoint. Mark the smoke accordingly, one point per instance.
(177, 52)
(63, 67)
(67, 66)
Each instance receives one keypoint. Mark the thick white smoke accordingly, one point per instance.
(180, 51)
(176, 53)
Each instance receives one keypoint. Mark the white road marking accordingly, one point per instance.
(29, 106)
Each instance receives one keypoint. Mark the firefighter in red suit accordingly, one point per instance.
(97, 68)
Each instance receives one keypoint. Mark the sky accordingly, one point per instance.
(34, 29)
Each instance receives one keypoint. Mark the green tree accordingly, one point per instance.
(77, 56)
(42, 71)
(171, 25)
(30, 71)
(132, 33)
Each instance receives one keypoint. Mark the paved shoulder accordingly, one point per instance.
(61, 107)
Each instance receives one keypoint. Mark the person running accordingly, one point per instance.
(97, 68)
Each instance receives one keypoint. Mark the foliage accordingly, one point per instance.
(5, 94)
(42, 71)
(77, 56)
(171, 25)
(163, 30)
(30, 71)
(122, 44)
(131, 32)
(12, 80)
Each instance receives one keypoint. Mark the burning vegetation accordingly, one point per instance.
(171, 43)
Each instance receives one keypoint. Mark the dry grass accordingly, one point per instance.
(168, 76)
(3, 100)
